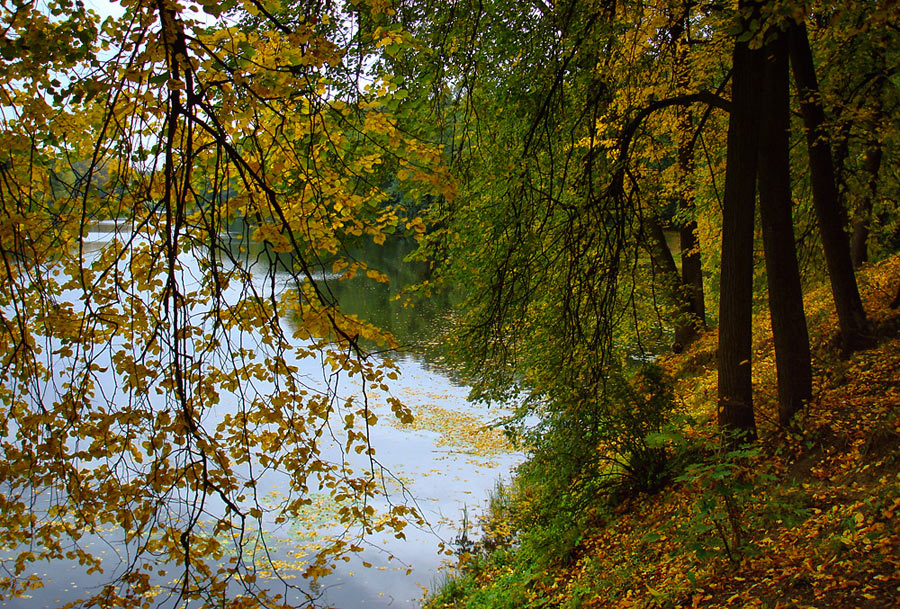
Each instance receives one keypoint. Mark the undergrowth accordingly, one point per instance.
(653, 513)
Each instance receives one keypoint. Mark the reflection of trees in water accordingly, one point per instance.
(415, 321)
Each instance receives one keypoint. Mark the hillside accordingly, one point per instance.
(806, 518)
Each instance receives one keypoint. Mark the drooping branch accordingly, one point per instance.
(627, 134)
(557, 83)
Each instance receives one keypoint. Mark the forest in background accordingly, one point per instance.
(542, 154)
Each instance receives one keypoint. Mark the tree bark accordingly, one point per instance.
(660, 253)
(854, 327)
(859, 238)
(691, 264)
(664, 262)
(735, 392)
(789, 330)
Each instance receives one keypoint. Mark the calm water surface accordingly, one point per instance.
(443, 463)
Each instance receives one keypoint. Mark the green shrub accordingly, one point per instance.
(635, 429)
(726, 486)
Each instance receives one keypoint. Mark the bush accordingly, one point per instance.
(586, 454)
(636, 428)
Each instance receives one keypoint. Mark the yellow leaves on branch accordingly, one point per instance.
(274, 235)
(150, 365)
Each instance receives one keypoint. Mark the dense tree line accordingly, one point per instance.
(553, 148)
(584, 128)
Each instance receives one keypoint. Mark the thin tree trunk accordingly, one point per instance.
(660, 253)
(664, 262)
(854, 327)
(691, 284)
(691, 264)
(859, 238)
(736, 291)
(692, 279)
(789, 331)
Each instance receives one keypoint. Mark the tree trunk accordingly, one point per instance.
(829, 213)
(660, 253)
(736, 291)
(859, 238)
(664, 262)
(692, 279)
(789, 331)
(691, 265)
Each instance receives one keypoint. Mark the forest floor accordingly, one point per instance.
(809, 517)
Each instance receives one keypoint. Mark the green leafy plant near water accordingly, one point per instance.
(610, 443)
(619, 447)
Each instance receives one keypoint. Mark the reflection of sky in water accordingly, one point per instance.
(444, 461)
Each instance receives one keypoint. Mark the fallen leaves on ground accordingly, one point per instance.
(820, 527)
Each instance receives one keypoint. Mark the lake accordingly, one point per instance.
(443, 463)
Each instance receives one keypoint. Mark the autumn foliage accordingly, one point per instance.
(802, 520)
(177, 184)
(183, 184)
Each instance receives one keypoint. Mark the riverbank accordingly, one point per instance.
(805, 518)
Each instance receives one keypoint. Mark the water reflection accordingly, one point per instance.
(414, 321)
(441, 462)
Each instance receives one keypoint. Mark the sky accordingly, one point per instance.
(105, 8)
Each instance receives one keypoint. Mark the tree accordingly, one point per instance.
(592, 206)
(597, 139)
(736, 414)
(691, 264)
(831, 216)
(861, 227)
(686, 284)
(152, 381)
(572, 138)
(860, 101)
(789, 332)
